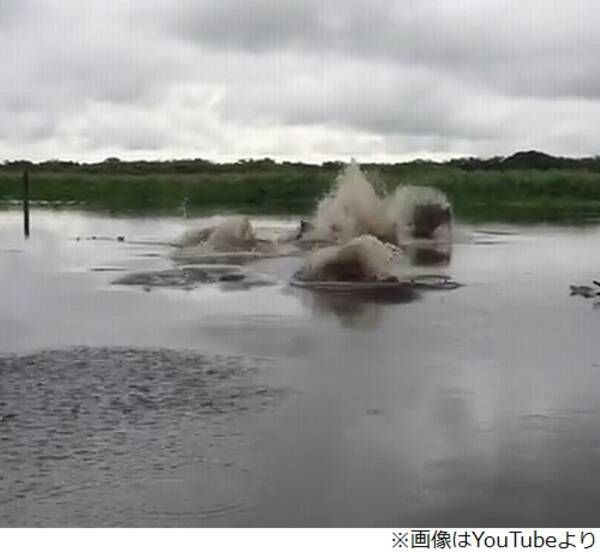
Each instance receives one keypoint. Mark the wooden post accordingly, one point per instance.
(26, 203)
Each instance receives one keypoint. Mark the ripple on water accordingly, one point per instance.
(77, 423)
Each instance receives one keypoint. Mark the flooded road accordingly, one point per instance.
(222, 405)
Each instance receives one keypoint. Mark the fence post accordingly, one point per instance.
(26, 203)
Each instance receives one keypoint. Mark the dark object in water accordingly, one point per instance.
(107, 269)
(26, 203)
(236, 277)
(584, 291)
(420, 282)
(427, 218)
(351, 293)
(120, 238)
(344, 270)
(435, 282)
(303, 228)
(190, 277)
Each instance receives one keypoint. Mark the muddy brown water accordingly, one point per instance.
(217, 404)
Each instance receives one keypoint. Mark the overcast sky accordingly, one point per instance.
(299, 79)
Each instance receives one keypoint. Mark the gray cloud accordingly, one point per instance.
(10, 11)
(297, 79)
(365, 96)
(528, 47)
(258, 25)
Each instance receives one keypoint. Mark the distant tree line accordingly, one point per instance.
(178, 166)
(518, 161)
(527, 160)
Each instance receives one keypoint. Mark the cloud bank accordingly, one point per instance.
(309, 80)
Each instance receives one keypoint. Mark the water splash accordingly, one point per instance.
(194, 236)
(404, 203)
(233, 233)
(354, 208)
(232, 241)
(361, 259)
(351, 209)
(354, 222)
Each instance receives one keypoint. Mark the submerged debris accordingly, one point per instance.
(191, 276)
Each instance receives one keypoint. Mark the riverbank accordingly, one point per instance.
(516, 195)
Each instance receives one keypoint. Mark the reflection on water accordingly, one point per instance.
(429, 255)
(357, 309)
(477, 406)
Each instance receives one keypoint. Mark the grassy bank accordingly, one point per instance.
(511, 195)
(268, 191)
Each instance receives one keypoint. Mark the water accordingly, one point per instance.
(359, 259)
(274, 406)
(355, 207)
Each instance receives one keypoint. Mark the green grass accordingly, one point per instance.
(511, 195)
